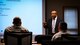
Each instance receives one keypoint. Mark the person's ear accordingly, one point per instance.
(12, 22)
(20, 22)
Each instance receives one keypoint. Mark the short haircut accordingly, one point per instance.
(16, 20)
(63, 25)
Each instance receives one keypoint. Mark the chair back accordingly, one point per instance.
(18, 38)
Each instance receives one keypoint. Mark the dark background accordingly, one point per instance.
(59, 6)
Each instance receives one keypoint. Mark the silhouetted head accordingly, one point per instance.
(54, 14)
(63, 26)
(17, 21)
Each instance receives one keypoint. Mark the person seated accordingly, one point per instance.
(16, 27)
(62, 30)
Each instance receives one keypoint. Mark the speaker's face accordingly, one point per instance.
(53, 14)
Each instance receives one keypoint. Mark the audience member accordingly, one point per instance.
(62, 30)
(16, 27)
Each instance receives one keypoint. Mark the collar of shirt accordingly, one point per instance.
(55, 19)
(63, 32)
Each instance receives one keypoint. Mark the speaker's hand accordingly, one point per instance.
(45, 24)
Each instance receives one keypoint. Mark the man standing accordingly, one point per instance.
(52, 24)
(52, 27)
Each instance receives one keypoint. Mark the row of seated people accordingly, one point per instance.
(18, 28)
(26, 37)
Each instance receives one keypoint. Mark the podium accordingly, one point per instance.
(18, 38)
